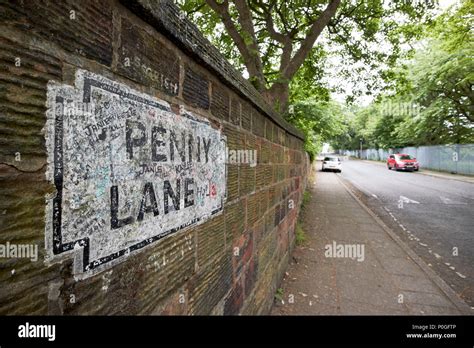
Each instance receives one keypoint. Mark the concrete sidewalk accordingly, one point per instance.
(386, 280)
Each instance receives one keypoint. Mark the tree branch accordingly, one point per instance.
(248, 30)
(316, 28)
(271, 29)
(249, 51)
(285, 40)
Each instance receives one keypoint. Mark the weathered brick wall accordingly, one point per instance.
(229, 264)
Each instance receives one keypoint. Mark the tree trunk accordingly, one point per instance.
(277, 96)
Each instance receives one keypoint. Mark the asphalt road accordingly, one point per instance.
(434, 216)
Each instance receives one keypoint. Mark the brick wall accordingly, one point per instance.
(229, 264)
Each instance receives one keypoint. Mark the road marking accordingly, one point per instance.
(437, 256)
(427, 268)
(374, 196)
(408, 200)
(461, 275)
(447, 200)
(422, 244)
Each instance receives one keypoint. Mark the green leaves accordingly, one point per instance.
(370, 32)
(319, 120)
(433, 96)
(424, 63)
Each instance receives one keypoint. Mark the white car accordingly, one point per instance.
(332, 163)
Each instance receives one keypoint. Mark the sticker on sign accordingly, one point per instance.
(127, 170)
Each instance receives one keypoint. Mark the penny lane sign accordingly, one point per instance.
(128, 171)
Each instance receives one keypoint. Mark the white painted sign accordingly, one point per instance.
(128, 171)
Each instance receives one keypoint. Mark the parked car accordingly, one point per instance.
(401, 161)
(332, 163)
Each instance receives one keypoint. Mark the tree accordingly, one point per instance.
(272, 39)
(432, 101)
(444, 70)
(439, 81)
(319, 120)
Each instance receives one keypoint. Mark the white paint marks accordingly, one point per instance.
(461, 275)
(375, 196)
(106, 279)
(447, 200)
(408, 200)
(437, 255)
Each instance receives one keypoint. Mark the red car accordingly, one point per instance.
(403, 162)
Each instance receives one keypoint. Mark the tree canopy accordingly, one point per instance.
(273, 40)
(433, 99)
(416, 62)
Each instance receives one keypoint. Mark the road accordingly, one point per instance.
(434, 216)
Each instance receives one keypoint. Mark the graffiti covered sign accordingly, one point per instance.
(128, 171)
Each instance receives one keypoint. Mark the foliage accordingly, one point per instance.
(306, 199)
(279, 294)
(433, 99)
(300, 235)
(273, 40)
(319, 120)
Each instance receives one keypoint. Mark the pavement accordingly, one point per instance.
(433, 215)
(383, 276)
